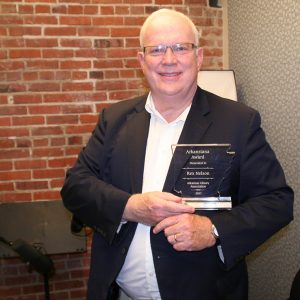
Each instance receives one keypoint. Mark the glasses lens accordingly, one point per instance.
(182, 48)
(159, 50)
(155, 50)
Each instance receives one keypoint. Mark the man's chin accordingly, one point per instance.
(170, 90)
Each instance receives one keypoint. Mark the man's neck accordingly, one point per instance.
(171, 108)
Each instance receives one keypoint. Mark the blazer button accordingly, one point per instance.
(123, 250)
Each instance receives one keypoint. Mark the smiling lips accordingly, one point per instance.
(170, 74)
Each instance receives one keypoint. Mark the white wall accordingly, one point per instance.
(264, 49)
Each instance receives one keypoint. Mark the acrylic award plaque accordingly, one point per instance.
(199, 172)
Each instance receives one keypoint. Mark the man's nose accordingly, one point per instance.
(169, 56)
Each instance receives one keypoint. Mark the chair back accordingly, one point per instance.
(219, 82)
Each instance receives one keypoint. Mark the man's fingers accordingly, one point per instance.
(165, 223)
(176, 205)
(152, 207)
(179, 208)
(170, 197)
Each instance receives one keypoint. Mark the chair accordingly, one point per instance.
(219, 82)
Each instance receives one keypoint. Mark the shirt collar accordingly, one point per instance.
(150, 108)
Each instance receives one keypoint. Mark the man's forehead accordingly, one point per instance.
(170, 27)
(167, 19)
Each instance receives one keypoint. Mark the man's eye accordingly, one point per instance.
(180, 48)
(156, 50)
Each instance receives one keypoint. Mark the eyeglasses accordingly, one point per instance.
(179, 48)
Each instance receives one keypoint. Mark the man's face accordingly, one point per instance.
(170, 74)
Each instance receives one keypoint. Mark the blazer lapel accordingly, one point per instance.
(137, 134)
(195, 126)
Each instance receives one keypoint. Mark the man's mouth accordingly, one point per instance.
(170, 74)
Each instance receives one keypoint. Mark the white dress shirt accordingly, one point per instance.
(137, 277)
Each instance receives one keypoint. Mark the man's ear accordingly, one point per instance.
(141, 59)
(199, 57)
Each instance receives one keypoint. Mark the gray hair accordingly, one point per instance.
(165, 11)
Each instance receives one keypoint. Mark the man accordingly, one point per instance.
(147, 240)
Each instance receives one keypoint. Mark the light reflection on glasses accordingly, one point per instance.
(179, 48)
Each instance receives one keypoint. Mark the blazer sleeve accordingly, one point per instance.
(265, 201)
(87, 193)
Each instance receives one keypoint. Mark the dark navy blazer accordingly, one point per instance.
(110, 168)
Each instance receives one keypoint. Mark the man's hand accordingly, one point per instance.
(153, 207)
(187, 232)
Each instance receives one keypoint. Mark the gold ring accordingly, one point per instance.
(175, 239)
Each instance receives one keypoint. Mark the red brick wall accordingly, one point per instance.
(61, 62)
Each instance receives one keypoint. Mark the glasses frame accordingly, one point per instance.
(172, 47)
